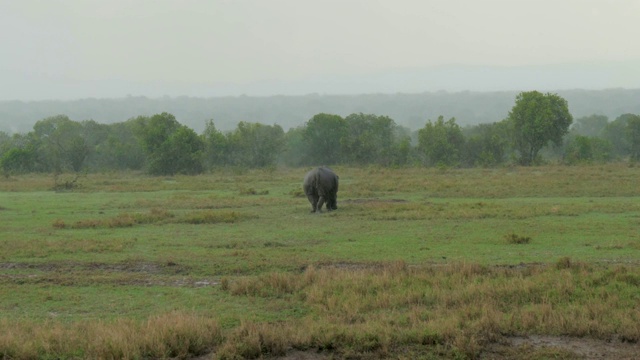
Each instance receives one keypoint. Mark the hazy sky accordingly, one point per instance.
(86, 48)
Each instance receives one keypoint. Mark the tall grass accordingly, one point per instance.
(457, 309)
(173, 335)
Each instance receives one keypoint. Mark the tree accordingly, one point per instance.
(215, 146)
(486, 144)
(255, 144)
(170, 147)
(94, 135)
(295, 153)
(369, 139)
(592, 125)
(617, 133)
(17, 160)
(60, 143)
(323, 136)
(586, 149)
(441, 142)
(183, 153)
(121, 150)
(538, 119)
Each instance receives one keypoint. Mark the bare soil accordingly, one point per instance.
(529, 347)
(585, 348)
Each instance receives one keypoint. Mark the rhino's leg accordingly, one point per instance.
(334, 203)
(313, 200)
(321, 202)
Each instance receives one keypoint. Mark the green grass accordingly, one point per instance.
(397, 266)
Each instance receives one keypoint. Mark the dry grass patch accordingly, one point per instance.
(212, 217)
(156, 216)
(174, 335)
(454, 310)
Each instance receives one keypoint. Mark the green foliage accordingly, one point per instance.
(254, 145)
(619, 135)
(584, 149)
(486, 144)
(121, 149)
(592, 125)
(369, 139)
(215, 146)
(161, 145)
(323, 136)
(18, 161)
(61, 146)
(295, 152)
(537, 120)
(171, 148)
(441, 142)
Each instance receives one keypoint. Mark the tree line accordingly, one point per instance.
(538, 128)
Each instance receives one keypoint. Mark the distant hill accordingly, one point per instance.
(410, 110)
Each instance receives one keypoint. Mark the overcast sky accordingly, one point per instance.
(85, 48)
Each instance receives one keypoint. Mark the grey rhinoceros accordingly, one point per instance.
(321, 186)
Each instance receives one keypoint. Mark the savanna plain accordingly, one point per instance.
(509, 263)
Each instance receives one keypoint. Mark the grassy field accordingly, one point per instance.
(415, 263)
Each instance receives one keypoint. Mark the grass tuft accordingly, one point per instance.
(513, 238)
(212, 217)
(252, 191)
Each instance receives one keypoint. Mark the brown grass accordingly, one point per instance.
(455, 309)
(173, 335)
(155, 216)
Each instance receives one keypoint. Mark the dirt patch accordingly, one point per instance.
(123, 273)
(127, 266)
(563, 347)
(589, 348)
(348, 266)
(305, 355)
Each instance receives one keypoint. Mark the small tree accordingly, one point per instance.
(592, 125)
(617, 132)
(122, 149)
(369, 139)
(215, 145)
(295, 152)
(486, 144)
(61, 145)
(441, 142)
(323, 136)
(17, 160)
(255, 144)
(171, 148)
(538, 119)
(586, 149)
